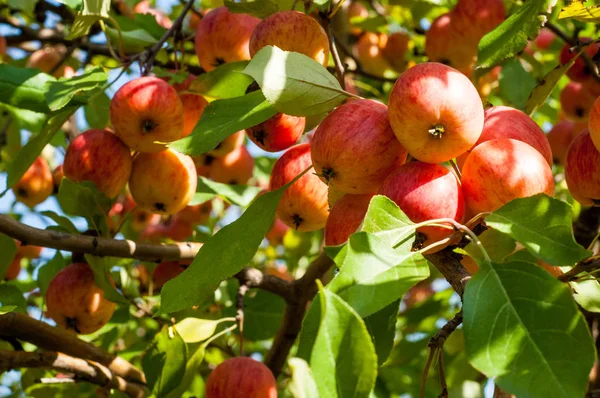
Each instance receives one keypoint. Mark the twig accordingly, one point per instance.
(588, 265)
(438, 340)
(239, 317)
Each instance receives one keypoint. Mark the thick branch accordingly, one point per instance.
(82, 369)
(254, 278)
(448, 263)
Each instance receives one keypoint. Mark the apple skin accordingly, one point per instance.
(143, 7)
(426, 191)
(544, 39)
(142, 219)
(369, 52)
(236, 168)
(303, 206)
(435, 112)
(579, 72)
(292, 31)
(498, 171)
(395, 49)
(354, 148)
(479, 17)
(582, 170)
(145, 110)
(222, 36)
(28, 251)
(101, 157)
(507, 122)
(594, 123)
(277, 133)
(277, 232)
(576, 101)
(75, 302)
(203, 163)
(560, 137)
(228, 145)
(36, 185)
(46, 59)
(163, 182)
(57, 176)
(345, 217)
(166, 271)
(14, 269)
(193, 107)
(241, 377)
(196, 214)
(176, 229)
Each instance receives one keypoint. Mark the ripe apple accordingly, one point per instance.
(582, 170)
(395, 49)
(241, 377)
(479, 17)
(277, 232)
(203, 163)
(369, 51)
(418, 293)
(292, 31)
(594, 123)
(435, 112)
(304, 204)
(223, 37)
(560, 138)
(146, 113)
(277, 133)
(196, 214)
(174, 228)
(166, 271)
(228, 145)
(143, 7)
(488, 82)
(507, 122)
(28, 251)
(141, 219)
(354, 148)
(576, 101)
(57, 176)
(579, 72)
(193, 106)
(345, 217)
(234, 168)
(36, 184)
(356, 10)
(14, 269)
(47, 58)
(163, 182)
(75, 302)
(544, 39)
(101, 157)
(498, 171)
(426, 191)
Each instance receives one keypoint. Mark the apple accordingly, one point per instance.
(203, 163)
(241, 377)
(277, 133)
(582, 170)
(354, 148)
(222, 36)
(500, 170)
(292, 31)
(166, 271)
(544, 39)
(594, 123)
(146, 113)
(418, 293)
(14, 268)
(76, 302)
(101, 157)
(560, 137)
(345, 217)
(356, 9)
(479, 17)
(47, 58)
(57, 176)
(36, 184)
(163, 182)
(303, 206)
(143, 7)
(426, 191)
(28, 251)
(369, 52)
(228, 145)
(193, 107)
(488, 82)
(141, 219)
(196, 214)
(580, 71)
(234, 168)
(507, 122)
(395, 49)
(576, 101)
(175, 228)
(435, 112)
(277, 232)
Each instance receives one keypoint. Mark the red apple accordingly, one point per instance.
(14, 269)
(354, 148)
(203, 163)
(142, 219)
(594, 123)
(175, 228)
(143, 7)
(479, 17)
(576, 101)
(223, 37)
(146, 113)
(36, 184)
(498, 171)
(241, 377)
(237, 167)
(28, 251)
(193, 106)
(304, 204)
(580, 71)
(582, 170)
(75, 302)
(228, 145)
(369, 52)
(426, 191)
(345, 217)
(57, 176)
(277, 232)
(277, 133)
(435, 112)
(166, 271)
(46, 59)
(292, 31)
(560, 138)
(544, 39)
(395, 49)
(196, 214)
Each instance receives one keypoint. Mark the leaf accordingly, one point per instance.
(194, 330)
(192, 372)
(335, 342)
(258, 8)
(232, 247)
(294, 83)
(587, 294)
(542, 91)
(515, 83)
(137, 34)
(47, 271)
(225, 81)
(302, 383)
(543, 225)
(62, 221)
(101, 267)
(374, 275)
(511, 36)
(27, 6)
(164, 362)
(96, 111)
(382, 328)
(28, 120)
(59, 93)
(82, 199)
(497, 245)
(262, 315)
(8, 250)
(241, 195)
(223, 117)
(385, 220)
(93, 11)
(24, 88)
(514, 315)
(5, 309)
(35, 145)
(11, 296)
(580, 12)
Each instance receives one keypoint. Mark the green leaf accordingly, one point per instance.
(136, 34)
(164, 362)
(101, 267)
(543, 225)
(225, 81)
(8, 249)
(515, 83)
(192, 373)
(35, 145)
(74, 4)
(497, 245)
(47, 271)
(223, 117)
(93, 11)
(262, 315)
(294, 83)
(335, 342)
(194, 330)
(302, 383)
(542, 91)
(10, 296)
(62, 221)
(258, 8)
(587, 294)
(511, 36)
(385, 219)
(82, 199)
(96, 111)
(382, 328)
(374, 275)
(232, 247)
(241, 195)
(24, 88)
(27, 6)
(28, 120)
(5, 309)
(66, 89)
(514, 315)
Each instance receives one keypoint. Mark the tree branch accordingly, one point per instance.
(254, 278)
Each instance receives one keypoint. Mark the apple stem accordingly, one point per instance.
(437, 131)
